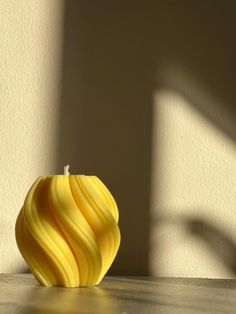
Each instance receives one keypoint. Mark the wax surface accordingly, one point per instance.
(67, 230)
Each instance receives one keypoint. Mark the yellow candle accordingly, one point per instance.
(67, 230)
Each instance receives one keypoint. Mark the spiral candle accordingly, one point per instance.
(67, 230)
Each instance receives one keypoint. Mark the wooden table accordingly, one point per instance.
(20, 293)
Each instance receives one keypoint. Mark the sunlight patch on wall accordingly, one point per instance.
(194, 180)
(31, 51)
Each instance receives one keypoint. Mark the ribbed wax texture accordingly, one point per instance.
(67, 230)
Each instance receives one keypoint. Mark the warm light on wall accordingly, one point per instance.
(193, 186)
(31, 51)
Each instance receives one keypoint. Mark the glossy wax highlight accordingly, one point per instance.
(67, 230)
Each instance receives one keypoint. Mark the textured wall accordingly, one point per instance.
(193, 196)
(30, 36)
(151, 89)
(147, 103)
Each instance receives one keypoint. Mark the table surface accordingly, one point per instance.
(20, 293)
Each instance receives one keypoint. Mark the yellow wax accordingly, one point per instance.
(67, 230)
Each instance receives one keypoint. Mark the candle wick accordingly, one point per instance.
(66, 170)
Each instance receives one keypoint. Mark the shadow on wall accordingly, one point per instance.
(217, 241)
(115, 56)
(22, 270)
(211, 236)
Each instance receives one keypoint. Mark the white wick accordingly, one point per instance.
(66, 170)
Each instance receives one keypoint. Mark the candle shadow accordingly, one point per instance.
(106, 122)
(115, 56)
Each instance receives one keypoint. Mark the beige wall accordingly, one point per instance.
(148, 98)
(144, 98)
(30, 64)
(193, 197)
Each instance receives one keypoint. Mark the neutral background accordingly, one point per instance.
(141, 94)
